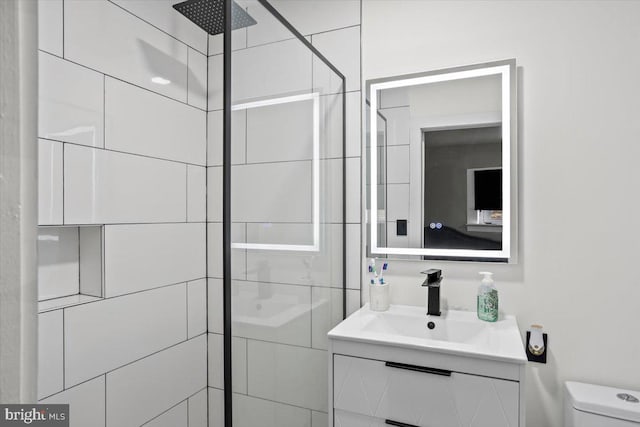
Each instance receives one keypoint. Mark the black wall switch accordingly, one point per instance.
(401, 227)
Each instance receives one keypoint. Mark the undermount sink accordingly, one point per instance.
(457, 332)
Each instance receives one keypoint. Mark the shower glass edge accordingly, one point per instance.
(284, 225)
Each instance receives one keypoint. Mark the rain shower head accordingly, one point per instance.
(209, 15)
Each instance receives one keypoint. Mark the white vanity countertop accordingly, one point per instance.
(455, 332)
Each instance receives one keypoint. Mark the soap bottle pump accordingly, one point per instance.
(487, 298)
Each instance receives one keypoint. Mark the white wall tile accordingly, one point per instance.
(272, 312)
(250, 412)
(197, 307)
(281, 132)
(50, 353)
(103, 36)
(214, 194)
(174, 417)
(86, 403)
(397, 202)
(395, 98)
(145, 256)
(216, 407)
(143, 389)
(215, 137)
(398, 164)
(70, 102)
(319, 419)
(91, 261)
(331, 120)
(107, 334)
(282, 191)
(214, 305)
(353, 266)
(354, 125)
(215, 85)
(238, 41)
(197, 79)
(353, 190)
(216, 360)
(214, 250)
(331, 190)
(108, 187)
(198, 409)
(239, 364)
(270, 70)
(315, 16)
(398, 125)
(161, 14)
(342, 49)
(327, 313)
(58, 262)
(143, 122)
(268, 30)
(319, 269)
(50, 26)
(49, 182)
(196, 193)
(280, 234)
(283, 373)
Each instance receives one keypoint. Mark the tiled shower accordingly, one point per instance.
(130, 212)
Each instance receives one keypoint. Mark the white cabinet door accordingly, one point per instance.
(421, 396)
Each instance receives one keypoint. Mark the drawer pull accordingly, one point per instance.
(416, 368)
(398, 423)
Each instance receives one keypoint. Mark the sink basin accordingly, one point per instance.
(455, 332)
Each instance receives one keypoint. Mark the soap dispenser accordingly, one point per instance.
(487, 298)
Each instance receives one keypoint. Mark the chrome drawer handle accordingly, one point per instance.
(416, 368)
(398, 423)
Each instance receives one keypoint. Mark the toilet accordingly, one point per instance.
(589, 405)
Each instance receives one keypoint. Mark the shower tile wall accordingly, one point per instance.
(265, 159)
(126, 156)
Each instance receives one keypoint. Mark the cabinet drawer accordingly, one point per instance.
(422, 396)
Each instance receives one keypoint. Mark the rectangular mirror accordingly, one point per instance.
(441, 170)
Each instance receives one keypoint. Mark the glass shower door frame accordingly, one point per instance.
(226, 185)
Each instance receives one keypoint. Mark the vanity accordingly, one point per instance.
(404, 368)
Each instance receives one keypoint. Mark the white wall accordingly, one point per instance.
(126, 156)
(578, 108)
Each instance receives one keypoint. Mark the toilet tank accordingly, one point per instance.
(589, 405)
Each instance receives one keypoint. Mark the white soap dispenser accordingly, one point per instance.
(487, 298)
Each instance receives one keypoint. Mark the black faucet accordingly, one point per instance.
(432, 282)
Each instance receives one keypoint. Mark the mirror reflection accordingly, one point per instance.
(441, 163)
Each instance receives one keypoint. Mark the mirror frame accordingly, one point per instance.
(507, 70)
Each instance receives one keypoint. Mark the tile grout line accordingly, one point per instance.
(110, 150)
(156, 27)
(174, 345)
(100, 299)
(120, 79)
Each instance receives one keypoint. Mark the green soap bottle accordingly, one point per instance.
(487, 299)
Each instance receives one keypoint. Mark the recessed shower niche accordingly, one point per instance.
(70, 266)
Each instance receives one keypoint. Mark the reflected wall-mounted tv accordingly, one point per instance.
(488, 189)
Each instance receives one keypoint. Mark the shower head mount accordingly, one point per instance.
(209, 15)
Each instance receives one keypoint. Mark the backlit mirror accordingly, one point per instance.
(441, 170)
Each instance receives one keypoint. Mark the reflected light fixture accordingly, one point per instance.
(160, 80)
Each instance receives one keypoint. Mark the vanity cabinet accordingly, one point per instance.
(370, 392)
(403, 368)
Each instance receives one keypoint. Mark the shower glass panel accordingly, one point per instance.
(287, 279)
